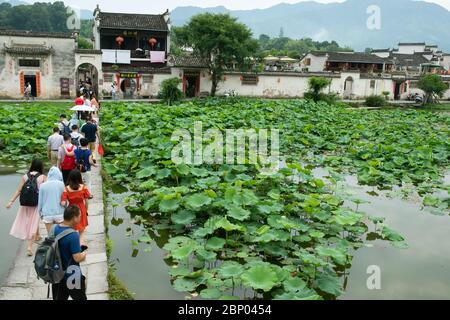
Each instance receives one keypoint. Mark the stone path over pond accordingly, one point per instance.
(22, 282)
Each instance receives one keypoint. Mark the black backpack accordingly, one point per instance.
(80, 155)
(76, 142)
(66, 129)
(29, 195)
(47, 261)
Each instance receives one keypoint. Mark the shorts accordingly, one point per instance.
(53, 219)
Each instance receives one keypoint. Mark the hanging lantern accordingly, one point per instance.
(153, 42)
(119, 40)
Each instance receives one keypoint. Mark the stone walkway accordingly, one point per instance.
(22, 282)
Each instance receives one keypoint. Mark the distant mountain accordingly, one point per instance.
(401, 21)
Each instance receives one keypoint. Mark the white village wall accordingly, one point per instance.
(58, 65)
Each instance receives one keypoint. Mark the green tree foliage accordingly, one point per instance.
(433, 86)
(218, 39)
(84, 43)
(316, 85)
(41, 17)
(86, 29)
(284, 46)
(170, 91)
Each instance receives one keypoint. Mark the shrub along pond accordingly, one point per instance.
(236, 233)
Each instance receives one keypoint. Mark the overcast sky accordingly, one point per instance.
(142, 6)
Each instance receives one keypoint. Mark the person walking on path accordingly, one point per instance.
(74, 120)
(50, 192)
(64, 125)
(90, 131)
(66, 157)
(76, 194)
(26, 224)
(76, 136)
(84, 162)
(54, 142)
(72, 254)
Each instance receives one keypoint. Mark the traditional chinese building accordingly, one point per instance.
(135, 49)
(45, 60)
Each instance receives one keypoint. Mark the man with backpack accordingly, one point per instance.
(58, 258)
(76, 136)
(66, 157)
(64, 125)
(84, 162)
(90, 131)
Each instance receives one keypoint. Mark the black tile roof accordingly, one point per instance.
(188, 61)
(109, 20)
(408, 60)
(356, 57)
(28, 49)
(27, 33)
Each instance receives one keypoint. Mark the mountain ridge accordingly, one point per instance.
(401, 21)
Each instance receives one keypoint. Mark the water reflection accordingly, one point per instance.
(420, 272)
(8, 244)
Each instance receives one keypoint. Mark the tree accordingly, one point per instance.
(219, 40)
(84, 43)
(433, 86)
(170, 92)
(316, 85)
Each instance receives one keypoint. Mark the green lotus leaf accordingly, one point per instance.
(198, 200)
(169, 205)
(238, 213)
(230, 269)
(146, 172)
(215, 244)
(260, 277)
(211, 294)
(185, 285)
(183, 217)
(330, 284)
(206, 255)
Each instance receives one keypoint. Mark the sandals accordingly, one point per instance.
(29, 253)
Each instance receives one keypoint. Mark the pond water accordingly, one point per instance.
(9, 246)
(420, 272)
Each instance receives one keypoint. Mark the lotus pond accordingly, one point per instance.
(231, 232)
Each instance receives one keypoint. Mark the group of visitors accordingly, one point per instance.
(60, 199)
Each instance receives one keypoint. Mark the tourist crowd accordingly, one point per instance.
(60, 199)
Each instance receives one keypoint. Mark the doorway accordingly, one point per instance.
(31, 79)
(398, 89)
(348, 88)
(128, 87)
(191, 85)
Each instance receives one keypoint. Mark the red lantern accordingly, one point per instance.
(153, 42)
(119, 40)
